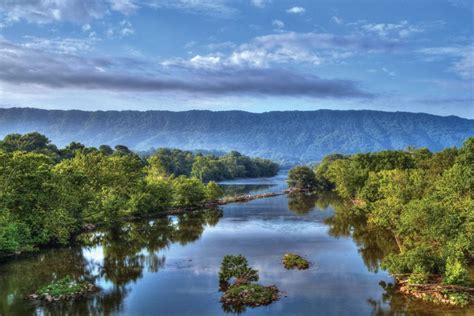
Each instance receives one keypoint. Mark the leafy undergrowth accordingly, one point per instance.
(292, 261)
(243, 291)
(63, 289)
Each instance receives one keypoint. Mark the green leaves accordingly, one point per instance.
(237, 267)
(424, 200)
(302, 178)
(45, 200)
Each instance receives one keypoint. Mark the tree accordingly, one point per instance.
(302, 177)
(106, 150)
(213, 191)
(188, 191)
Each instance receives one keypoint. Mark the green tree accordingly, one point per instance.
(302, 177)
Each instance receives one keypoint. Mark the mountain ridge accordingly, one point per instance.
(296, 136)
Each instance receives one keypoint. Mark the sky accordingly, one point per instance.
(250, 55)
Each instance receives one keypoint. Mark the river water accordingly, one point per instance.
(169, 266)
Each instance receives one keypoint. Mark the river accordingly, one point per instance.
(169, 265)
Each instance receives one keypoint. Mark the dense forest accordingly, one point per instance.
(47, 195)
(291, 136)
(423, 200)
(210, 167)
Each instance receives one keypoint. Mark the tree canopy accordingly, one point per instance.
(423, 200)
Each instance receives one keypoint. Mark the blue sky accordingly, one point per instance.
(252, 55)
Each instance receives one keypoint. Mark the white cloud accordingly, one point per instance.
(289, 48)
(123, 29)
(337, 20)
(205, 61)
(401, 29)
(216, 8)
(84, 11)
(260, 3)
(86, 27)
(50, 11)
(124, 6)
(296, 10)
(388, 72)
(462, 58)
(278, 24)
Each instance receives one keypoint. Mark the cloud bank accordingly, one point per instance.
(27, 65)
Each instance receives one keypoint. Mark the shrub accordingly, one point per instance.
(292, 261)
(237, 267)
(455, 272)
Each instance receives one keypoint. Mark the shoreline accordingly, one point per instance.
(89, 227)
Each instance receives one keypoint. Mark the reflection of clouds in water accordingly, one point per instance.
(258, 227)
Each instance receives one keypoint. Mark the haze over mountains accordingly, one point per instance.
(290, 136)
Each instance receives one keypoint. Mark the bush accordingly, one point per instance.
(250, 295)
(303, 178)
(292, 261)
(237, 267)
(213, 191)
(455, 272)
(418, 276)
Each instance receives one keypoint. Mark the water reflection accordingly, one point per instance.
(241, 189)
(169, 265)
(113, 259)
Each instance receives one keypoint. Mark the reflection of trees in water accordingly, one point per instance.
(373, 244)
(303, 203)
(128, 250)
(233, 309)
(190, 226)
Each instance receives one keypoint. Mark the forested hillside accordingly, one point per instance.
(291, 136)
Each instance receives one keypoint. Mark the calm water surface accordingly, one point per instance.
(169, 266)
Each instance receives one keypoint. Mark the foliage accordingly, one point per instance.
(243, 291)
(302, 178)
(47, 194)
(424, 201)
(455, 272)
(213, 191)
(211, 168)
(418, 276)
(188, 191)
(292, 261)
(64, 288)
(249, 295)
(237, 267)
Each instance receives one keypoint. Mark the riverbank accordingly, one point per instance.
(88, 227)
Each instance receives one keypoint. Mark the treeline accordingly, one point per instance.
(210, 167)
(423, 200)
(47, 195)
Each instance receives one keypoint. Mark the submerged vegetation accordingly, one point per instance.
(293, 261)
(423, 201)
(48, 195)
(237, 281)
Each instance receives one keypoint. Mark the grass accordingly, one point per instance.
(292, 261)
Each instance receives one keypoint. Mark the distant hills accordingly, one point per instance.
(291, 136)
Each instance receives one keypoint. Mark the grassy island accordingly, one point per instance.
(63, 289)
(293, 261)
(237, 281)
